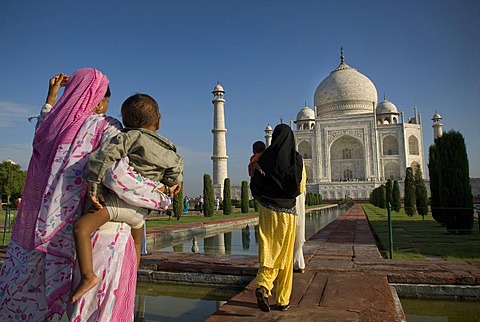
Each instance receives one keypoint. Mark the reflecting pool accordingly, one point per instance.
(174, 302)
(242, 240)
(436, 310)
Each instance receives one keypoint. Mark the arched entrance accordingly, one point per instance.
(347, 159)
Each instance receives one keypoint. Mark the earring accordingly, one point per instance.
(98, 108)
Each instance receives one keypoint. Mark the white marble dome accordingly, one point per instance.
(436, 116)
(386, 107)
(306, 113)
(218, 88)
(345, 91)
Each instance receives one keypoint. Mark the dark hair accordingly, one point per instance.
(108, 93)
(259, 146)
(140, 111)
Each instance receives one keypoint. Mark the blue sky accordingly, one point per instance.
(269, 56)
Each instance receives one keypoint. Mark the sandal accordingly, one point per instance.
(262, 300)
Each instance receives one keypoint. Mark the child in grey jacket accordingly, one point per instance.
(151, 155)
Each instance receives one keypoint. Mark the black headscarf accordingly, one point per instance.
(283, 166)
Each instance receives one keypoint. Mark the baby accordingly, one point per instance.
(258, 148)
(151, 155)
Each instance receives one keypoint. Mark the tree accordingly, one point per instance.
(455, 194)
(244, 197)
(178, 204)
(396, 199)
(227, 199)
(388, 192)
(208, 206)
(421, 196)
(12, 179)
(434, 184)
(410, 199)
(382, 197)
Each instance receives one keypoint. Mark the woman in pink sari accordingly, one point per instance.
(36, 277)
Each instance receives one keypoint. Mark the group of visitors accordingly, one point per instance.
(63, 216)
(77, 239)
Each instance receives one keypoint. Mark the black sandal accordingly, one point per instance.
(262, 301)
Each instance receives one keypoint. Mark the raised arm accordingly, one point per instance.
(54, 85)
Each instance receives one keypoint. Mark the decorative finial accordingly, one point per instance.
(384, 96)
(342, 58)
(305, 103)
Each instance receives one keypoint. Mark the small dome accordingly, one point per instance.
(436, 116)
(268, 128)
(305, 114)
(218, 88)
(386, 107)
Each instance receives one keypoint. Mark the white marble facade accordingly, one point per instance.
(350, 143)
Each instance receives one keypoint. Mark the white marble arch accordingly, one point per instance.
(347, 159)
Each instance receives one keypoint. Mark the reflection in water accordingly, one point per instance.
(420, 310)
(239, 242)
(175, 302)
(246, 238)
(195, 248)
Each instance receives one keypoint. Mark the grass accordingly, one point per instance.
(418, 238)
(164, 220)
(153, 221)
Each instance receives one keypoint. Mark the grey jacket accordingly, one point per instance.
(150, 154)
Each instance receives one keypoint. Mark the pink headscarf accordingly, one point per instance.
(83, 92)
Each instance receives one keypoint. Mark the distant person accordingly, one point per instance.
(276, 192)
(186, 203)
(216, 202)
(258, 148)
(151, 155)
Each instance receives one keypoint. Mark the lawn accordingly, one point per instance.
(164, 220)
(418, 238)
(153, 220)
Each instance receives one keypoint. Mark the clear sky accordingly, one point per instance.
(269, 56)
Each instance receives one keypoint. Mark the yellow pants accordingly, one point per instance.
(275, 252)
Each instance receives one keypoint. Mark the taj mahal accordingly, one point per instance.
(350, 142)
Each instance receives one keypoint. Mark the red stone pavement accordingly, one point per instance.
(346, 279)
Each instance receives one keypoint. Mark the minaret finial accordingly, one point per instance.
(383, 96)
(342, 58)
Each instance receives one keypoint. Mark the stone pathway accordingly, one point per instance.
(346, 279)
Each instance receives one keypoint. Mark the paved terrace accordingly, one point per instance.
(346, 279)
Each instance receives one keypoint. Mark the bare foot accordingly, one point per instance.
(86, 284)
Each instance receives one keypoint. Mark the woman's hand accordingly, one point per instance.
(54, 85)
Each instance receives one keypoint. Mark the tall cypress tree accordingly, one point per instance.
(244, 197)
(410, 199)
(434, 185)
(421, 195)
(396, 199)
(388, 192)
(382, 197)
(456, 200)
(208, 206)
(178, 204)
(227, 199)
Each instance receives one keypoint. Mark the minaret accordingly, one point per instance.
(268, 135)
(437, 126)
(219, 131)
